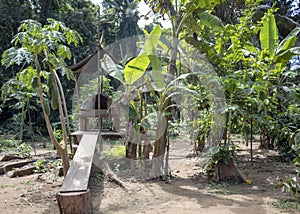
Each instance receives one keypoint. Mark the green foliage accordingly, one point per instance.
(136, 67)
(117, 151)
(286, 129)
(289, 41)
(287, 205)
(90, 88)
(269, 34)
(252, 75)
(290, 185)
(174, 129)
(40, 165)
(58, 134)
(119, 19)
(46, 165)
(13, 147)
(211, 21)
(37, 39)
(217, 155)
(296, 149)
(46, 44)
(23, 150)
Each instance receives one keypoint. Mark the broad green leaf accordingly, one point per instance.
(285, 56)
(133, 114)
(156, 31)
(156, 71)
(118, 74)
(280, 67)
(164, 46)
(269, 35)
(182, 90)
(289, 41)
(211, 20)
(152, 40)
(180, 77)
(136, 68)
(112, 69)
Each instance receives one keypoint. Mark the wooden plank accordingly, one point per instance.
(8, 157)
(21, 172)
(96, 133)
(84, 132)
(78, 175)
(7, 167)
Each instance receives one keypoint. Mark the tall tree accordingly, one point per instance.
(42, 51)
(119, 19)
(80, 15)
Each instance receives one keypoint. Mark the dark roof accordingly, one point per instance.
(89, 65)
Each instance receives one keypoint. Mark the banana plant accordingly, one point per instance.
(42, 51)
(279, 53)
(149, 70)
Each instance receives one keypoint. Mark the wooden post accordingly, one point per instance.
(75, 202)
(251, 141)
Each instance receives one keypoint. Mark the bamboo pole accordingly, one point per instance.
(100, 80)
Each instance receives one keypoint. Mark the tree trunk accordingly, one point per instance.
(61, 114)
(75, 202)
(228, 172)
(131, 154)
(22, 125)
(160, 148)
(31, 132)
(61, 151)
(64, 104)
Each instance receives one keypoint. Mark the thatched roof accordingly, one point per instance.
(89, 65)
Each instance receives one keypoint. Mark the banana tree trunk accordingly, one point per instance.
(160, 147)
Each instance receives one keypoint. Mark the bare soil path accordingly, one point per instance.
(188, 191)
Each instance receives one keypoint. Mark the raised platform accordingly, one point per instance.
(105, 134)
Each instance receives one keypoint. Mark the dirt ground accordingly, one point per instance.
(188, 192)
